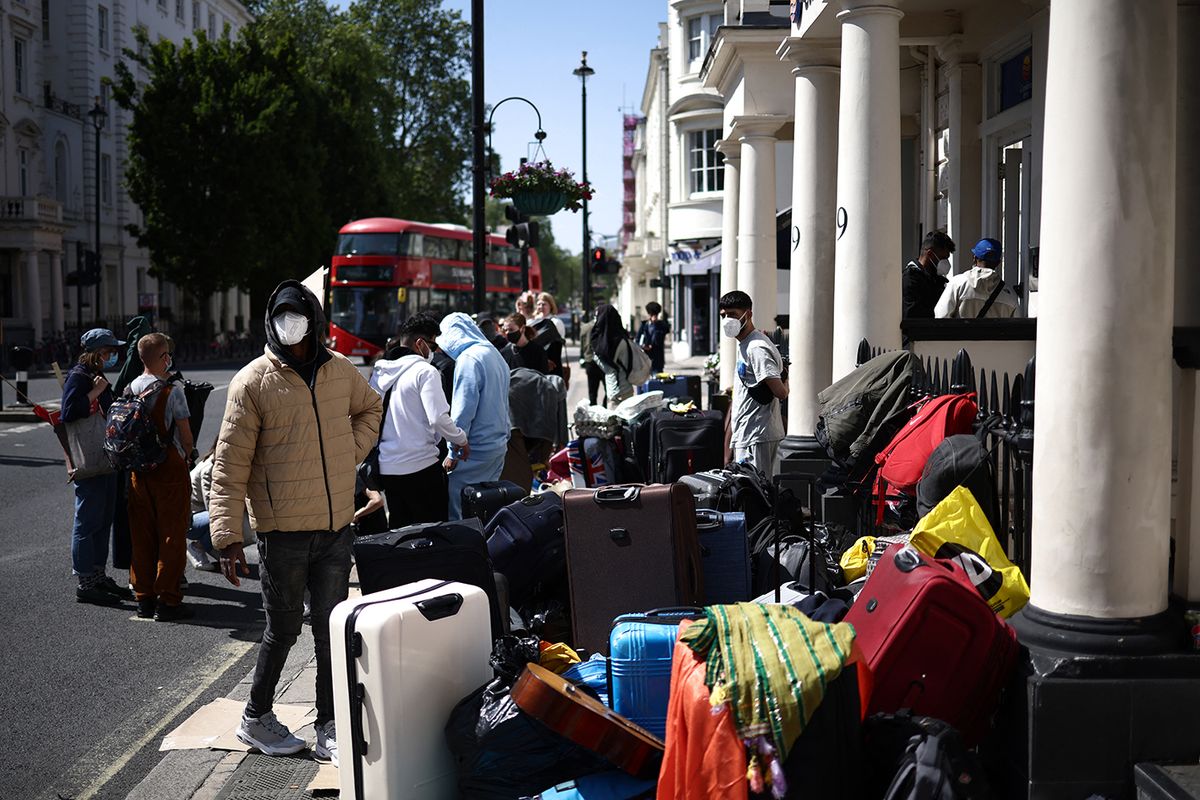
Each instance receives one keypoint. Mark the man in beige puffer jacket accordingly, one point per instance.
(298, 421)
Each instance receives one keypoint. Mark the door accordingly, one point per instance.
(1013, 203)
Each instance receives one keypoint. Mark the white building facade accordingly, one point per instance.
(61, 52)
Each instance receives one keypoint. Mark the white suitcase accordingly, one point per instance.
(402, 659)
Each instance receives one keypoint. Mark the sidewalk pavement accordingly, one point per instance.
(221, 775)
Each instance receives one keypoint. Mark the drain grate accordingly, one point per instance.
(261, 777)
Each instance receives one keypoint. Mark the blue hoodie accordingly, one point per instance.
(480, 402)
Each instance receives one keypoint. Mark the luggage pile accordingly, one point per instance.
(676, 627)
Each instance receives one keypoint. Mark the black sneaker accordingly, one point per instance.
(96, 596)
(173, 613)
(107, 584)
(146, 608)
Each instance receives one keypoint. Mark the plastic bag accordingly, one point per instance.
(958, 529)
(501, 752)
(854, 560)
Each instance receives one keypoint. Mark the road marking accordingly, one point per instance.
(21, 428)
(225, 657)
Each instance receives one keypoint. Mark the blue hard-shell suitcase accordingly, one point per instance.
(724, 556)
(683, 387)
(640, 647)
(613, 785)
(593, 674)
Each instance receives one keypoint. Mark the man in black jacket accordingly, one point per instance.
(923, 280)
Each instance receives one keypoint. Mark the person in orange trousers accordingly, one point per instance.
(160, 498)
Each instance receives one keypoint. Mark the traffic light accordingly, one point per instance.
(523, 232)
(599, 260)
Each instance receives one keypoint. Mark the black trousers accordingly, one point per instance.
(421, 496)
(595, 378)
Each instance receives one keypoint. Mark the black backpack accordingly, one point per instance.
(921, 758)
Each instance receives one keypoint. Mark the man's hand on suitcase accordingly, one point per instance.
(233, 561)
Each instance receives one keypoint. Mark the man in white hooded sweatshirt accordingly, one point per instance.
(980, 291)
(416, 417)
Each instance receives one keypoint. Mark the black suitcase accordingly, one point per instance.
(449, 551)
(684, 444)
(483, 500)
(525, 542)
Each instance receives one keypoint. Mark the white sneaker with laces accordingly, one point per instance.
(199, 558)
(327, 748)
(269, 735)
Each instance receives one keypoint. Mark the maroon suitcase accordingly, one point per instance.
(932, 642)
(630, 548)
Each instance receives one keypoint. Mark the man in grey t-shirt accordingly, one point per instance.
(758, 386)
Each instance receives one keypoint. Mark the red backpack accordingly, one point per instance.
(898, 466)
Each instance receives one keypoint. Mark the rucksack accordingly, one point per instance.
(900, 464)
(921, 758)
(960, 460)
(863, 410)
(132, 440)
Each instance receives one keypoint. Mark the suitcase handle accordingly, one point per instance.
(707, 519)
(675, 611)
(436, 608)
(617, 494)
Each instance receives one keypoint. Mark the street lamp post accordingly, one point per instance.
(584, 72)
(98, 117)
(478, 234)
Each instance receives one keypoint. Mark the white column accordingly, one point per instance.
(56, 293)
(33, 294)
(729, 246)
(867, 289)
(814, 203)
(756, 218)
(1102, 447)
(965, 154)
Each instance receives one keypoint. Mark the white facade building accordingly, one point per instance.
(61, 52)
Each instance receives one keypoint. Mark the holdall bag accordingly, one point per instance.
(724, 556)
(593, 674)
(402, 659)
(920, 758)
(526, 545)
(931, 642)
(687, 443)
(483, 500)
(682, 387)
(900, 464)
(628, 546)
(451, 551)
(639, 664)
(712, 489)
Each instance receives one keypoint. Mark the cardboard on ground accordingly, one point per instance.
(325, 781)
(214, 725)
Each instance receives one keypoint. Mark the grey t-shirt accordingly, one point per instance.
(177, 407)
(754, 422)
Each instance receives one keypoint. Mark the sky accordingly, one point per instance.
(530, 49)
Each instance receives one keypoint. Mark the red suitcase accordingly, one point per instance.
(932, 642)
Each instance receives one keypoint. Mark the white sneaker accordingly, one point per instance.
(199, 557)
(269, 735)
(327, 748)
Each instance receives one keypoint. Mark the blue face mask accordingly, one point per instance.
(111, 361)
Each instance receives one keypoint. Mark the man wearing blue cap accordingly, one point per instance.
(980, 291)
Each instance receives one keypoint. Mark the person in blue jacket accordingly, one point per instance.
(479, 405)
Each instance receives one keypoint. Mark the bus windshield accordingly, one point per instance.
(373, 244)
(373, 314)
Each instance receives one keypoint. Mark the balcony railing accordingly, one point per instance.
(30, 209)
(55, 103)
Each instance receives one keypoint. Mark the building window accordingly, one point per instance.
(102, 20)
(162, 4)
(106, 180)
(196, 15)
(19, 64)
(179, 10)
(23, 171)
(60, 172)
(212, 25)
(45, 20)
(705, 164)
(700, 31)
(104, 92)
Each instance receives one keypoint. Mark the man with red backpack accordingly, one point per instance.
(160, 488)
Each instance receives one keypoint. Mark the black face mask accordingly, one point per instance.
(513, 336)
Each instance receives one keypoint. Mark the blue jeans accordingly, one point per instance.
(200, 532)
(95, 505)
(289, 563)
(478, 468)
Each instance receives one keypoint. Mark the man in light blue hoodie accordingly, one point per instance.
(479, 405)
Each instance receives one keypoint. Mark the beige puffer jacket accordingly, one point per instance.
(289, 458)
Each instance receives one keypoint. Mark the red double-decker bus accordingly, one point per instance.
(384, 270)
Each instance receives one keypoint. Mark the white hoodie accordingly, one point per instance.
(416, 418)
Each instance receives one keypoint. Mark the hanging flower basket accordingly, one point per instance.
(539, 204)
(538, 190)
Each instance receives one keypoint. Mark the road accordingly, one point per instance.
(88, 692)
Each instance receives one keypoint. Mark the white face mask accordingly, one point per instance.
(943, 266)
(428, 353)
(290, 327)
(732, 326)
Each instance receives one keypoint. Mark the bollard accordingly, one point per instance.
(22, 360)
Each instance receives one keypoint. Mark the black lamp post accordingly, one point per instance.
(478, 168)
(98, 117)
(584, 72)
